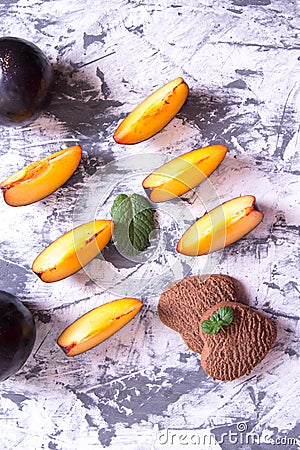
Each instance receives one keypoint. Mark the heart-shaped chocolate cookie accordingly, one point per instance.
(235, 351)
(182, 305)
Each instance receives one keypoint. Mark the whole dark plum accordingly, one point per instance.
(17, 334)
(25, 78)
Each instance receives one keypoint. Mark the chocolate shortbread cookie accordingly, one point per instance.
(182, 305)
(244, 343)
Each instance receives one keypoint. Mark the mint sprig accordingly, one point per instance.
(133, 219)
(223, 317)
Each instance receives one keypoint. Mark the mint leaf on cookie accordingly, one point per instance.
(224, 316)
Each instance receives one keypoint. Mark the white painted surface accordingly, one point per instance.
(241, 61)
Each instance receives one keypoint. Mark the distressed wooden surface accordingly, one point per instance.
(241, 61)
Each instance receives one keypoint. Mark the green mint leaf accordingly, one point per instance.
(117, 204)
(209, 327)
(215, 317)
(133, 218)
(226, 315)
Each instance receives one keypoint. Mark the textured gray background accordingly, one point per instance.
(241, 61)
